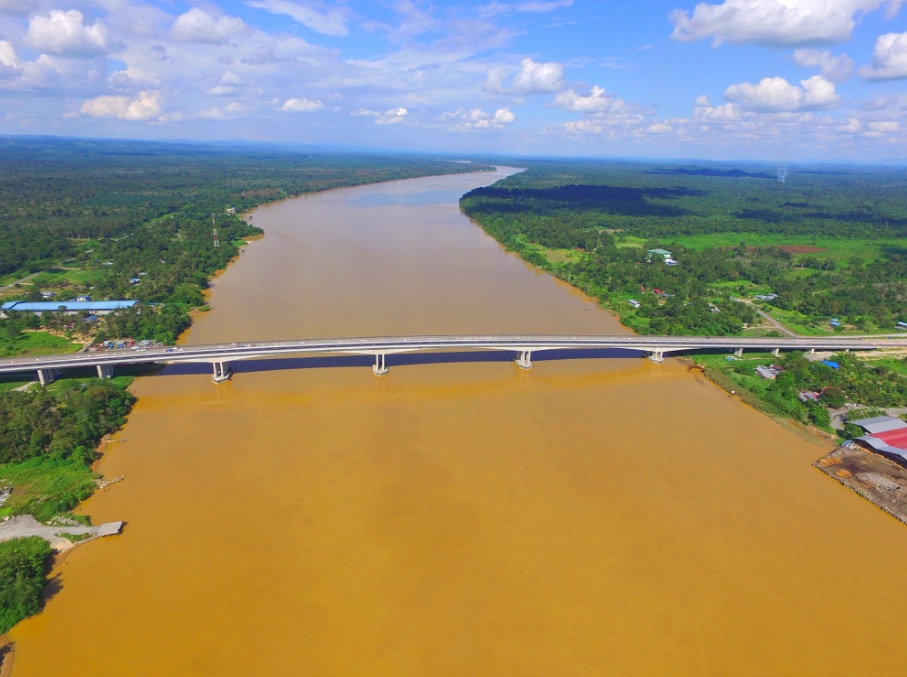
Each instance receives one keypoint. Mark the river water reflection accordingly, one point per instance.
(588, 517)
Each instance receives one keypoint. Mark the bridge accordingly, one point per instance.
(222, 354)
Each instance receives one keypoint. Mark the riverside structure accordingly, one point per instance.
(220, 355)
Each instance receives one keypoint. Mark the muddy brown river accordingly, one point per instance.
(457, 516)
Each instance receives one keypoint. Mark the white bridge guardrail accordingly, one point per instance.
(222, 353)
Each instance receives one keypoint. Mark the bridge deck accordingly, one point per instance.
(380, 346)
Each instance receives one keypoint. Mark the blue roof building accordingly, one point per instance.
(70, 307)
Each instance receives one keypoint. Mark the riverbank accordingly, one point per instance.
(453, 519)
(7, 654)
(44, 489)
(879, 480)
(598, 265)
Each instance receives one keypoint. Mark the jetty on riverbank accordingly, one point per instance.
(22, 526)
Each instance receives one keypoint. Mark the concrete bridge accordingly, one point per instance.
(222, 354)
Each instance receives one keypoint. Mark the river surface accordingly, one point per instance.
(587, 517)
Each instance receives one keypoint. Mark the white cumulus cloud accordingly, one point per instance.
(889, 58)
(597, 101)
(392, 116)
(775, 22)
(63, 34)
(145, 106)
(704, 111)
(8, 56)
(196, 25)
(532, 78)
(301, 105)
(834, 68)
(476, 118)
(777, 95)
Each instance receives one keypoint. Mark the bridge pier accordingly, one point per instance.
(380, 366)
(105, 371)
(47, 376)
(222, 372)
(657, 356)
(524, 361)
(739, 352)
(776, 352)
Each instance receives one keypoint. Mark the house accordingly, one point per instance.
(670, 262)
(634, 303)
(769, 372)
(829, 363)
(765, 297)
(834, 322)
(48, 294)
(808, 396)
(663, 253)
(134, 280)
(901, 325)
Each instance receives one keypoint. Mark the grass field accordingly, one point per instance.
(830, 248)
(898, 366)
(35, 481)
(61, 277)
(33, 343)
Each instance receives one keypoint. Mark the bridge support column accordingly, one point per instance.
(380, 366)
(105, 370)
(657, 356)
(47, 376)
(812, 351)
(776, 352)
(222, 372)
(524, 361)
(739, 352)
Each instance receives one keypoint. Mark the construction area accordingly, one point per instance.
(873, 476)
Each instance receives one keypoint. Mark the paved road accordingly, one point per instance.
(771, 320)
(13, 284)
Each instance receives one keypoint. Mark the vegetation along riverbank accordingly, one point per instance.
(717, 249)
(91, 220)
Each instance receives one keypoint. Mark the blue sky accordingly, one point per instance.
(769, 80)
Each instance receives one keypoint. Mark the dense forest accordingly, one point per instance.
(55, 191)
(23, 567)
(128, 219)
(613, 213)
